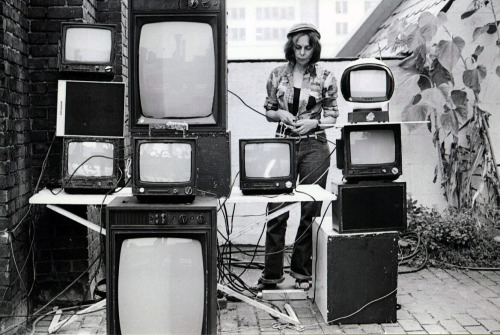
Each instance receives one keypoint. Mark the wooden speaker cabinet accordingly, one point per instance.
(355, 275)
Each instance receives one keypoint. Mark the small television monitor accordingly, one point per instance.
(161, 275)
(87, 47)
(90, 108)
(370, 151)
(367, 80)
(267, 165)
(91, 164)
(164, 167)
(177, 66)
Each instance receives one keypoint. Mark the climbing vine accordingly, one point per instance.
(456, 119)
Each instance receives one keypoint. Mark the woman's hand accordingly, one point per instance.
(286, 117)
(304, 126)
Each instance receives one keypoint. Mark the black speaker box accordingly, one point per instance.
(90, 108)
(355, 276)
(369, 207)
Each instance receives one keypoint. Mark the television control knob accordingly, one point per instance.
(201, 219)
(395, 170)
(288, 184)
(384, 171)
(175, 191)
(141, 190)
(193, 3)
(183, 219)
(188, 190)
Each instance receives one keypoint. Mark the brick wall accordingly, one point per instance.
(29, 40)
(15, 162)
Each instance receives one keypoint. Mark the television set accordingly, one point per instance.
(86, 47)
(178, 71)
(92, 164)
(370, 151)
(164, 167)
(267, 165)
(367, 80)
(90, 108)
(161, 267)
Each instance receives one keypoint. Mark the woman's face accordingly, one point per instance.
(302, 50)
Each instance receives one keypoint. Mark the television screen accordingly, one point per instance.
(161, 284)
(368, 84)
(176, 70)
(87, 47)
(267, 165)
(372, 147)
(267, 160)
(90, 159)
(165, 162)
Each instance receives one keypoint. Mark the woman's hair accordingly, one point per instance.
(313, 42)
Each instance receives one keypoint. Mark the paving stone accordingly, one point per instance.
(435, 329)
(452, 326)
(393, 329)
(466, 320)
(372, 329)
(491, 325)
(476, 329)
(410, 325)
(425, 318)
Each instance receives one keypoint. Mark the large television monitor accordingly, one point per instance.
(90, 108)
(267, 165)
(178, 69)
(370, 151)
(161, 271)
(367, 80)
(87, 47)
(92, 164)
(164, 168)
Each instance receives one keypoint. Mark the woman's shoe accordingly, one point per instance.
(259, 286)
(302, 284)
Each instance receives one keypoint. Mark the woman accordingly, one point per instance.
(300, 96)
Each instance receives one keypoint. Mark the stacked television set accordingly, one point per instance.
(356, 258)
(164, 237)
(369, 198)
(178, 90)
(90, 109)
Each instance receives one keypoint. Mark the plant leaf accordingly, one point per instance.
(473, 78)
(442, 18)
(478, 31)
(459, 97)
(434, 97)
(439, 75)
(415, 112)
(449, 52)
(428, 24)
(477, 52)
(468, 13)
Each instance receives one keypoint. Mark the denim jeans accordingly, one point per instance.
(312, 161)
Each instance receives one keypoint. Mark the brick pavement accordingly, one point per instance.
(433, 301)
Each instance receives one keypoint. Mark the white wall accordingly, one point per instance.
(248, 80)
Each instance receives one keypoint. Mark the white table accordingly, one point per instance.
(58, 197)
(302, 193)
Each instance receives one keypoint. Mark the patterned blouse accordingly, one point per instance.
(318, 92)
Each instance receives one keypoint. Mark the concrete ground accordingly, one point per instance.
(433, 301)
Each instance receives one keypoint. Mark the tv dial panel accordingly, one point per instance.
(179, 218)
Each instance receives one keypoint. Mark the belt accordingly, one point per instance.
(300, 137)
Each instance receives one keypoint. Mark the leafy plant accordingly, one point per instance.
(459, 126)
(456, 237)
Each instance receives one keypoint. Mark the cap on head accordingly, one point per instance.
(304, 26)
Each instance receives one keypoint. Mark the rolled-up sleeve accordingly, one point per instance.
(330, 94)
(271, 102)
